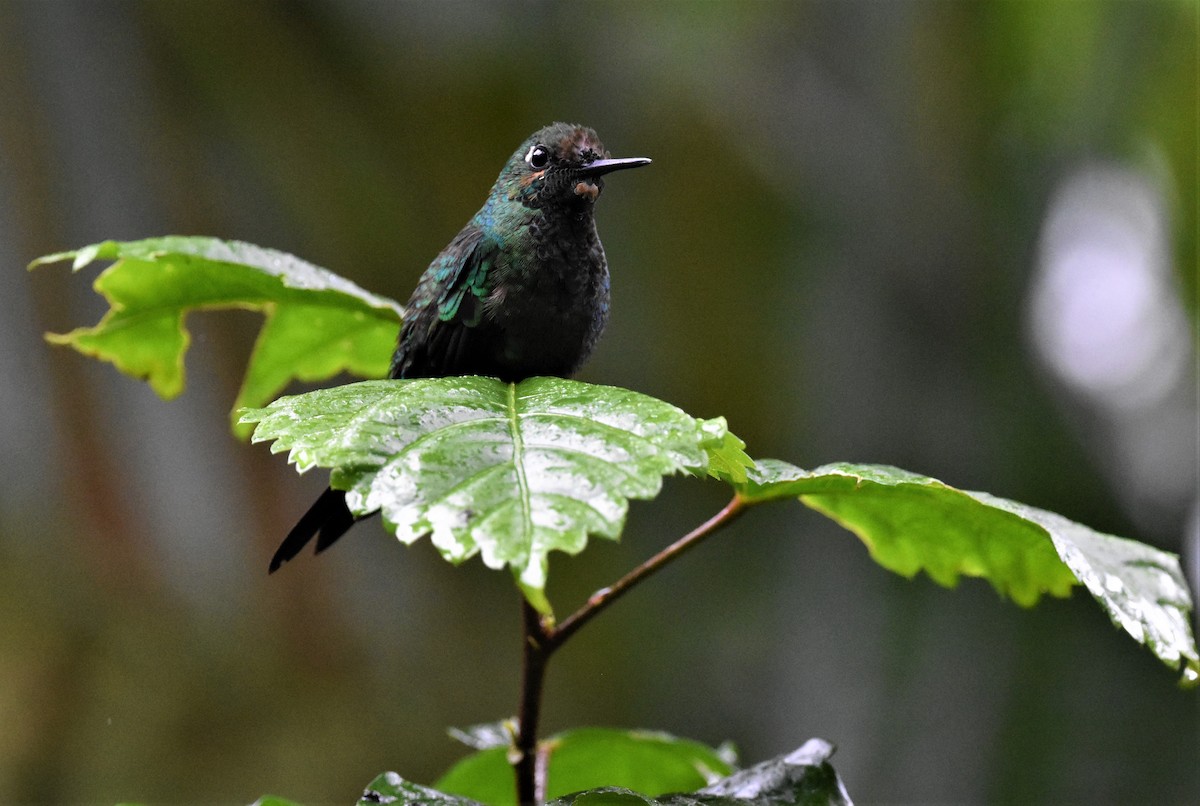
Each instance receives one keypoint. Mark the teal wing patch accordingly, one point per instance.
(460, 302)
(446, 330)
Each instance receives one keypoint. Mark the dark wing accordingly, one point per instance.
(445, 332)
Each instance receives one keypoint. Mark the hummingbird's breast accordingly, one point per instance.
(551, 300)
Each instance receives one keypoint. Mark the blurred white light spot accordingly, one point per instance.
(1105, 315)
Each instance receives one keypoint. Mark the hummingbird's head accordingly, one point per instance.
(561, 164)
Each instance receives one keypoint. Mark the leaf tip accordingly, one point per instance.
(59, 339)
(242, 427)
(536, 596)
(46, 260)
(1190, 674)
(79, 257)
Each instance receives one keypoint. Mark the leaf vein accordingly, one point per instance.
(518, 460)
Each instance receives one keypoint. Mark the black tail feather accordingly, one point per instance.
(337, 524)
(327, 519)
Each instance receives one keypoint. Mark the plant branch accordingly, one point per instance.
(535, 654)
(602, 598)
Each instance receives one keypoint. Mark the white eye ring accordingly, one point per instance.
(538, 156)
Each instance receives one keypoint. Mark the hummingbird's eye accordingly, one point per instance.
(538, 157)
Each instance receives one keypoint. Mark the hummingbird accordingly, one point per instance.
(521, 291)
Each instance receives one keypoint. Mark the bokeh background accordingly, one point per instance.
(958, 237)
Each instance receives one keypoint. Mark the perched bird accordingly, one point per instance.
(521, 291)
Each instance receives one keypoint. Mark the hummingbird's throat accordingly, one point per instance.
(587, 189)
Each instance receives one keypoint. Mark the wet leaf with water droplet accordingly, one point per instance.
(391, 788)
(317, 323)
(1140, 587)
(913, 523)
(649, 762)
(507, 472)
(657, 763)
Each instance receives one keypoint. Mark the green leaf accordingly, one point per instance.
(317, 323)
(650, 763)
(508, 472)
(484, 776)
(912, 523)
(804, 778)
(727, 458)
(391, 788)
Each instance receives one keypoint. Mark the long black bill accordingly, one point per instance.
(600, 167)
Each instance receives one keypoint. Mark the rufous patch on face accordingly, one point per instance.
(529, 179)
(587, 190)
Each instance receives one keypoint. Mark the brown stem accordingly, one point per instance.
(535, 654)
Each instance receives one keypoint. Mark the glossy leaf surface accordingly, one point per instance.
(391, 788)
(508, 472)
(317, 323)
(913, 523)
(650, 763)
(804, 776)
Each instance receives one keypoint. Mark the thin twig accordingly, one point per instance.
(602, 598)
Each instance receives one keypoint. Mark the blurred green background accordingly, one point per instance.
(958, 237)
